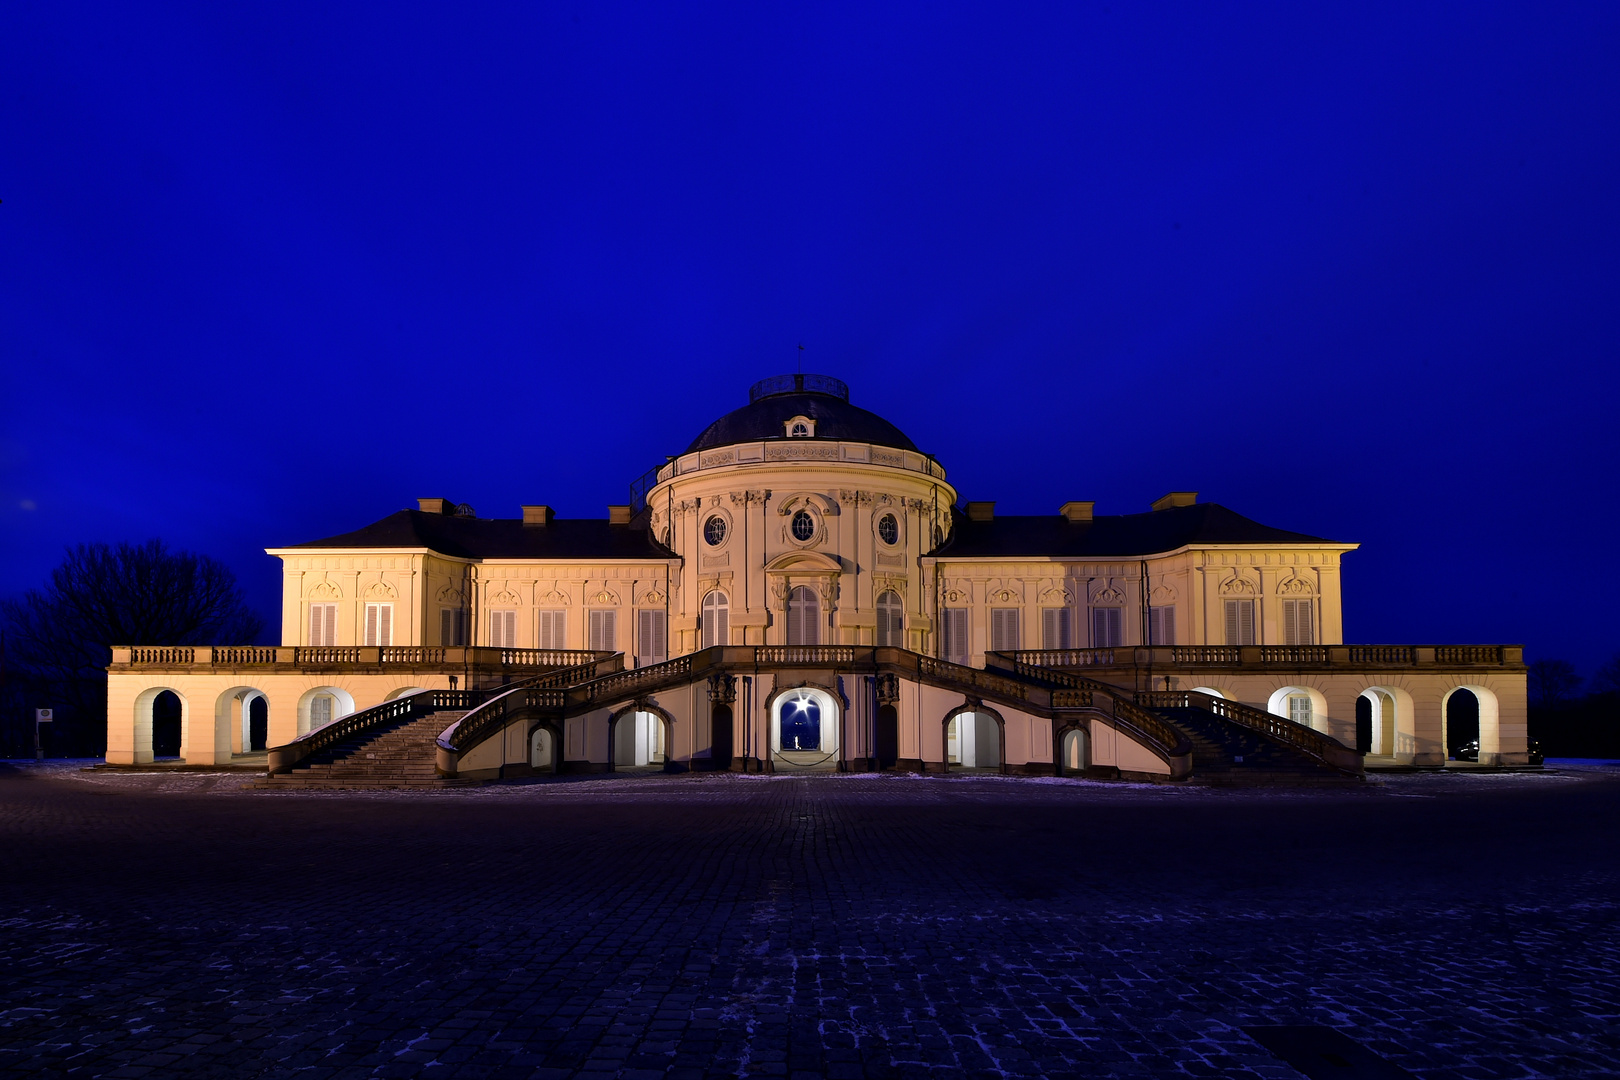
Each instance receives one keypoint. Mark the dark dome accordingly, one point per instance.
(775, 401)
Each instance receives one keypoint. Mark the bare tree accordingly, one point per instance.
(1607, 678)
(59, 638)
(1553, 682)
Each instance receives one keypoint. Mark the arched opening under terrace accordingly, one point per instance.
(1301, 704)
(543, 749)
(1471, 731)
(256, 725)
(321, 705)
(403, 691)
(160, 722)
(886, 737)
(974, 739)
(233, 729)
(1073, 756)
(638, 738)
(804, 728)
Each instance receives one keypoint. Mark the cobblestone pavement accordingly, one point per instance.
(176, 925)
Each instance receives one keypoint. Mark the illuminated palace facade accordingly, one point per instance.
(801, 590)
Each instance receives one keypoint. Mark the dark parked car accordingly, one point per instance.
(1468, 751)
(1535, 752)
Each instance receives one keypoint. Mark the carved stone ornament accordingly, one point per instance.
(556, 599)
(829, 592)
(506, 598)
(722, 689)
(652, 598)
(1055, 596)
(1237, 586)
(1107, 597)
(604, 596)
(1004, 595)
(958, 592)
(1296, 586)
(779, 591)
(449, 595)
(1163, 596)
(381, 590)
(887, 686)
(327, 591)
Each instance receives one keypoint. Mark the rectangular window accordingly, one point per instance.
(1240, 622)
(1299, 709)
(1055, 628)
(1004, 629)
(1162, 625)
(1107, 627)
(650, 637)
(320, 711)
(452, 626)
(553, 632)
(323, 624)
(954, 635)
(1298, 626)
(602, 628)
(379, 624)
(503, 629)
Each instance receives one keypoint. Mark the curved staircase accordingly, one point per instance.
(398, 756)
(1230, 755)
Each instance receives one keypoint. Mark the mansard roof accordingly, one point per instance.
(501, 538)
(1113, 536)
(817, 397)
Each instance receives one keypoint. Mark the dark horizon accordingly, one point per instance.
(270, 276)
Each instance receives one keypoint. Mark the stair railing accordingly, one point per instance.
(1306, 740)
(282, 759)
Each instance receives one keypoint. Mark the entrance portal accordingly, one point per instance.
(166, 725)
(638, 740)
(804, 728)
(886, 737)
(973, 741)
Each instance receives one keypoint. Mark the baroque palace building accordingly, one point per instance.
(801, 590)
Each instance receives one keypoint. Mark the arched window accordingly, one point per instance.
(715, 619)
(890, 620)
(803, 617)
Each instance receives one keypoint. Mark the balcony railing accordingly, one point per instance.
(1265, 656)
(422, 658)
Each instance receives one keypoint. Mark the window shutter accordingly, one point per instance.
(1298, 626)
(385, 620)
(371, 624)
(1004, 629)
(1055, 628)
(552, 634)
(602, 631)
(314, 624)
(1164, 628)
(956, 635)
(1239, 622)
(650, 636)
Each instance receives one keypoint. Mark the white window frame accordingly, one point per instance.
(551, 629)
(1299, 623)
(503, 628)
(322, 624)
(1107, 627)
(714, 620)
(891, 620)
(379, 625)
(1300, 709)
(603, 626)
(1057, 628)
(1238, 619)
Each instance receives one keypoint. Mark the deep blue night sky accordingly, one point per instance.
(269, 274)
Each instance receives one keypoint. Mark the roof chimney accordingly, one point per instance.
(1176, 498)
(537, 515)
(618, 515)
(436, 506)
(981, 511)
(1077, 511)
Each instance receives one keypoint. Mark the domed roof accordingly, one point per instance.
(773, 402)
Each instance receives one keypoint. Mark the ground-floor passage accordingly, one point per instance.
(841, 925)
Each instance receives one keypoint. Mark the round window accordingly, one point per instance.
(804, 526)
(888, 529)
(714, 530)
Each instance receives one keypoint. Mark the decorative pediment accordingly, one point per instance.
(958, 592)
(326, 591)
(556, 598)
(803, 562)
(1163, 596)
(380, 590)
(803, 500)
(1108, 596)
(1053, 596)
(449, 595)
(604, 596)
(1296, 586)
(1005, 595)
(505, 598)
(652, 598)
(1238, 586)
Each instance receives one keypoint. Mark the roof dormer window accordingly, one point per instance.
(800, 427)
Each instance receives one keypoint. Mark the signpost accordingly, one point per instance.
(41, 716)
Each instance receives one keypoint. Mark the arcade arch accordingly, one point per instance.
(1384, 722)
(804, 726)
(974, 739)
(161, 715)
(543, 749)
(233, 709)
(321, 705)
(1301, 704)
(638, 738)
(1073, 752)
(1463, 720)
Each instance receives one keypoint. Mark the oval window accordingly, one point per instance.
(888, 529)
(714, 530)
(804, 525)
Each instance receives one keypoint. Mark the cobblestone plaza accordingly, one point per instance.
(845, 926)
